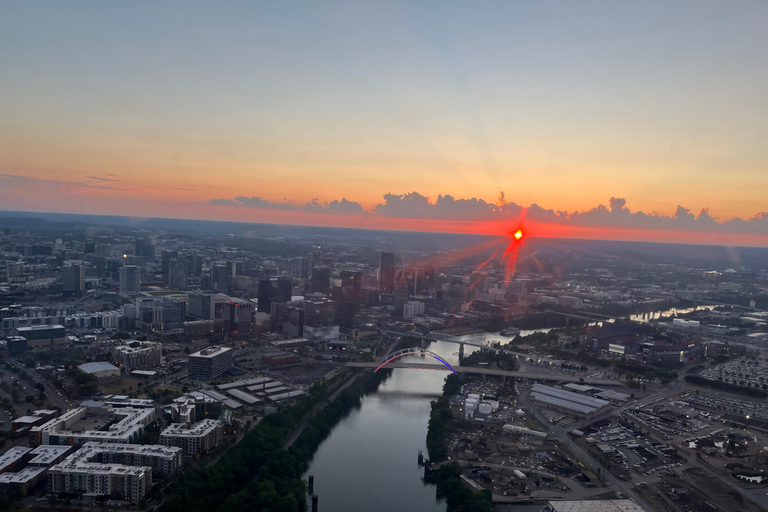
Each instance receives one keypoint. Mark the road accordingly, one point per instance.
(53, 394)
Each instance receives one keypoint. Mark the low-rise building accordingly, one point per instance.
(81, 425)
(78, 474)
(139, 354)
(43, 335)
(100, 369)
(193, 439)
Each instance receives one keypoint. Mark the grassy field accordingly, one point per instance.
(119, 385)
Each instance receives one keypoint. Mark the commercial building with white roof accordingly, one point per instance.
(100, 369)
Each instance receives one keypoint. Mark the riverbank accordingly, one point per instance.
(448, 477)
(258, 473)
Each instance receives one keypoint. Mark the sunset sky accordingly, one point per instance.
(248, 110)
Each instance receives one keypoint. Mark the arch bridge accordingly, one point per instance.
(412, 351)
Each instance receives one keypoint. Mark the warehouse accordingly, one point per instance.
(100, 369)
(567, 402)
(594, 506)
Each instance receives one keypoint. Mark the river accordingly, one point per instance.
(369, 462)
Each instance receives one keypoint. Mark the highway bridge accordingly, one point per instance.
(479, 370)
(435, 336)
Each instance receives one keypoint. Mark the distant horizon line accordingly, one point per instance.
(546, 234)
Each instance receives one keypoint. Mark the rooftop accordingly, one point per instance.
(96, 367)
(211, 352)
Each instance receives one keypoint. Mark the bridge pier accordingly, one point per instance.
(461, 354)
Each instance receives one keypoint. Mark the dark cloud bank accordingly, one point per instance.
(616, 214)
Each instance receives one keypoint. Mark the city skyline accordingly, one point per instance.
(326, 115)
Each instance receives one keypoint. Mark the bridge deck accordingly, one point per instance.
(476, 370)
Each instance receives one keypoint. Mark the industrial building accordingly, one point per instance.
(567, 401)
(209, 363)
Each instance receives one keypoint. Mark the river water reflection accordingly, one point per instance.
(369, 462)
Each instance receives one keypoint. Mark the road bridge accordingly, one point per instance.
(479, 370)
(596, 318)
(435, 336)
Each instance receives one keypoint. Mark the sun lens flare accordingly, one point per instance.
(518, 234)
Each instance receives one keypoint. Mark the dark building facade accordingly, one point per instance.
(387, 272)
(321, 280)
(274, 289)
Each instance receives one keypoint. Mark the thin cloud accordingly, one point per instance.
(343, 207)
(10, 181)
(97, 178)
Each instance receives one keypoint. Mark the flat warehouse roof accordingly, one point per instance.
(570, 396)
(547, 399)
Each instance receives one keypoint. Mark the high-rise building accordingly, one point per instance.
(73, 277)
(320, 320)
(426, 278)
(166, 258)
(351, 285)
(130, 279)
(321, 280)
(174, 313)
(220, 278)
(195, 265)
(231, 270)
(209, 363)
(177, 274)
(300, 268)
(350, 297)
(387, 272)
(288, 318)
(202, 305)
(238, 315)
(145, 248)
(274, 289)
